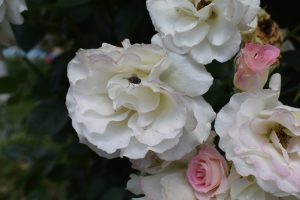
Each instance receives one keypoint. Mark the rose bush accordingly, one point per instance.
(203, 30)
(133, 100)
(261, 137)
(253, 66)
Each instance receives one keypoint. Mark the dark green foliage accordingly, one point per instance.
(47, 118)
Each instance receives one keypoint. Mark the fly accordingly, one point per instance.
(134, 80)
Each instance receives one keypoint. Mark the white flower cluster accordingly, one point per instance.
(143, 101)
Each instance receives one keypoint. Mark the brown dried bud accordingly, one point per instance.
(266, 32)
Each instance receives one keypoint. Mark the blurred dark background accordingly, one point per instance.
(40, 156)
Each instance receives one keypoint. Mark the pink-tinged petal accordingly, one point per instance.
(268, 52)
(247, 80)
(287, 119)
(258, 136)
(253, 66)
(294, 146)
(258, 57)
(206, 172)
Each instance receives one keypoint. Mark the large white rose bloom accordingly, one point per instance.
(10, 13)
(262, 138)
(133, 100)
(203, 30)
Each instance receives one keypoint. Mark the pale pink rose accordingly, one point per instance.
(253, 66)
(207, 173)
(262, 138)
(246, 188)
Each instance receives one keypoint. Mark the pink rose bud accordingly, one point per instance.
(253, 66)
(207, 173)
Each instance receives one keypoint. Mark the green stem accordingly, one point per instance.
(290, 90)
(292, 33)
(33, 67)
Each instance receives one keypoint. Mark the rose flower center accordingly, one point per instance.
(202, 4)
(282, 136)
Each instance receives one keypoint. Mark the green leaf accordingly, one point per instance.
(7, 84)
(59, 172)
(38, 2)
(39, 192)
(221, 70)
(18, 151)
(17, 111)
(47, 118)
(103, 25)
(67, 3)
(96, 188)
(223, 94)
(28, 35)
(297, 96)
(80, 13)
(291, 58)
(114, 193)
(128, 18)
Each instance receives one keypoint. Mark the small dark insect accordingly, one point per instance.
(134, 79)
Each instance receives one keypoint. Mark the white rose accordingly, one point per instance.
(262, 138)
(10, 13)
(10, 10)
(163, 186)
(246, 188)
(133, 100)
(203, 30)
